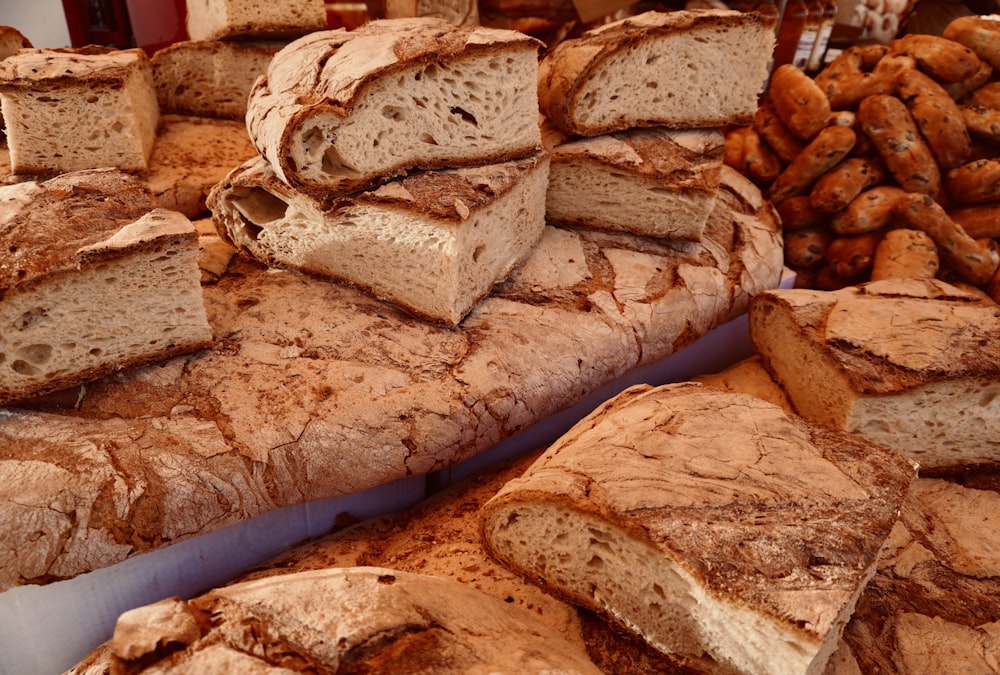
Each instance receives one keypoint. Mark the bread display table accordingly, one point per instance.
(313, 391)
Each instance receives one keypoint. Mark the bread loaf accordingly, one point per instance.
(228, 19)
(711, 523)
(683, 69)
(910, 364)
(97, 278)
(654, 182)
(433, 243)
(313, 390)
(68, 111)
(210, 78)
(369, 620)
(345, 110)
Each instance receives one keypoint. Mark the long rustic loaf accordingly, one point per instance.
(344, 110)
(433, 243)
(367, 620)
(710, 523)
(70, 110)
(683, 69)
(210, 78)
(654, 182)
(253, 19)
(313, 390)
(910, 364)
(95, 278)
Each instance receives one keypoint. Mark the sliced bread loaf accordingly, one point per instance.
(344, 110)
(707, 522)
(654, 182)
(210, 78)
(95, 277)
(69, 110)
(228, 19)
(433, 243)
(911, 364)
(683, 69)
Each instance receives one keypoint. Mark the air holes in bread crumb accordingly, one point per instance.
(38, 354)
(392, 112)
(23, 368)
(478, 252)
(31, 317)
(464, 114)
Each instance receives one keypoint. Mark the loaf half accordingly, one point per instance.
(433, 243)
(229, 19)
(656, 182)
(338, 620)
(95, 277)
(343, 110)
(210, 78)
(707, 522)
(70, 110)
(683, 69)
(910, 364)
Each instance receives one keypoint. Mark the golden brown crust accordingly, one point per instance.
(903, 254)
(980, 34)
(840, 185)
(871, 210)
(937, 116)
(944, 59)
(799, 101)
(776, 133)
(829, 146)
(977, 182)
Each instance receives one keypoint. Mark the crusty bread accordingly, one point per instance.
(228, 19)
(655, 182)
(95, 278)
(12, 41)
(911, 364)
(683, 69)
(708, 522)
(191, 156)
(70, 110)
(338, 620)
(458, 12)
(433, 243)
(210, 78)
(344, 110)
(748, 376)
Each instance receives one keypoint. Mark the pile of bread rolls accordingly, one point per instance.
(886, 164)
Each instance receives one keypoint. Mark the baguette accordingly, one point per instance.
(342, 111)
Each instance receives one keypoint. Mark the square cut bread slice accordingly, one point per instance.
(345, 110)
(69, 110)
(655, 182)
(432, 243)
(95, 277)
(706, 522)
(210, 78)
(230, 19)
(684, 69)
(911, 364)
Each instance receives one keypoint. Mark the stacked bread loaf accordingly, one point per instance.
(231, 42)
(403, 158)
(633, 115)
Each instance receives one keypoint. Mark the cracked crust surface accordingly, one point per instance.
(312, 390)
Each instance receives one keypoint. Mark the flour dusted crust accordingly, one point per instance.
(912, 364)
(370, 619)
(344, 110)
(433, 243)
(655, 182)
(707, 522)
(312, 390)
(682, 69)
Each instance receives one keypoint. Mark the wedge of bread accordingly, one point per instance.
(433, 243)
(344, 110)
(683, 69)
(911, 364)
(210, 78)
(96, 277)
(655, 182)
(706, 522)
(231, 19)
(69, 110)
